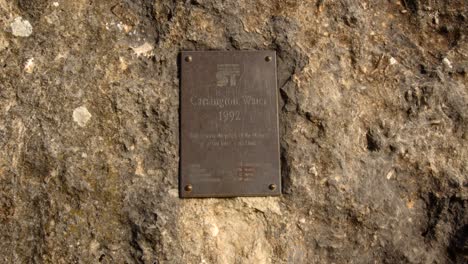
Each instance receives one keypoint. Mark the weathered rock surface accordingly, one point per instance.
(374, 132)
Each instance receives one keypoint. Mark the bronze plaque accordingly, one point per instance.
(229, 124)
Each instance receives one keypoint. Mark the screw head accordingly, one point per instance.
(188, 187)
(188, 58)
(272, 187)
(268, 58)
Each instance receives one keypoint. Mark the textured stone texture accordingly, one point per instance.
(374, 132)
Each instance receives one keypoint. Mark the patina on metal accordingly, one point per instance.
(229, 124)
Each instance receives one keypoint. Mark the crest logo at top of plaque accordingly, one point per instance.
(227, 74)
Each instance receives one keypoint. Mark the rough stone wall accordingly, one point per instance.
(374, 131)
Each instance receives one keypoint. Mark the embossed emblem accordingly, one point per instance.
(227, 74)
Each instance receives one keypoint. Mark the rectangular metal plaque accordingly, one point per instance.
(229, 124)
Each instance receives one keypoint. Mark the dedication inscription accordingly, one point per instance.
(229, 124)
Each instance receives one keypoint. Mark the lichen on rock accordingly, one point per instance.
(81, 115)
(21, 27)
